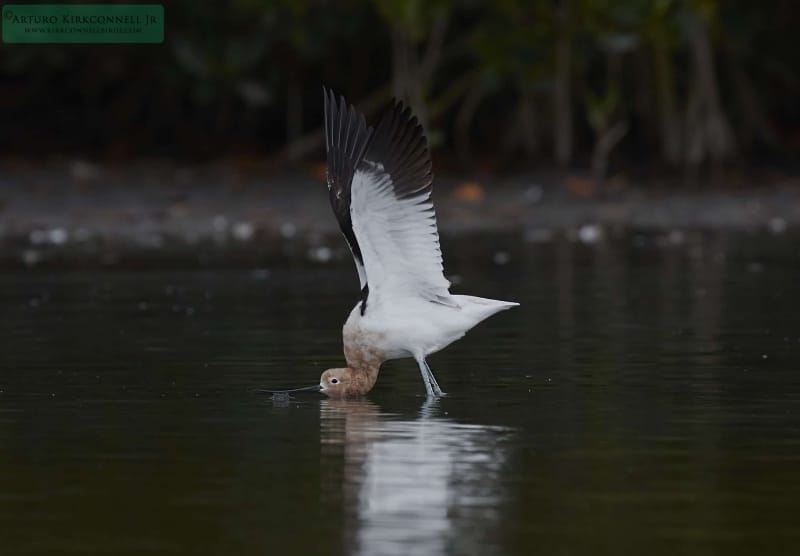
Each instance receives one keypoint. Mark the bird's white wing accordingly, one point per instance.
(392, 213)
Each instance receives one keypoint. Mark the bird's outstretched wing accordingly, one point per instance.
(346, 140)
(379, 183)
(392, 212)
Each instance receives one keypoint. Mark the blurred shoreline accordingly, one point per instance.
(73, 213)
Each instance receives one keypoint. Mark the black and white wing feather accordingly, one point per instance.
(346, 140)
(392, 212)
(379, 182)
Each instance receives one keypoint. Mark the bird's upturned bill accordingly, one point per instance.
(315, 388)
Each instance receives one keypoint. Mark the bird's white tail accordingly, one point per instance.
(481, 308)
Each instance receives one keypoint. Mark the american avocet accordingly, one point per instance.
(379, 183)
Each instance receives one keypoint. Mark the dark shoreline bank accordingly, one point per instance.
(76, 213)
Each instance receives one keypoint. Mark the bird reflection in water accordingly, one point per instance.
(425, 485)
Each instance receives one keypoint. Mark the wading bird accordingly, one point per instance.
(379, 183)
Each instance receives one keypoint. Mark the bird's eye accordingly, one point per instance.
(334, 381)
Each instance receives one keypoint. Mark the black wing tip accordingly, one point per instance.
(328, 95)
(347, 138)
(400, 143)
(339, 113)
(403, 123)
(328, 98)
(397, 116)
(401, 113)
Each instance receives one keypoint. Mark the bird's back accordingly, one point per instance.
(413, 326)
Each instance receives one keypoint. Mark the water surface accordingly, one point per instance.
(644, 399)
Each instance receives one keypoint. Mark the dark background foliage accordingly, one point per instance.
(655, 85)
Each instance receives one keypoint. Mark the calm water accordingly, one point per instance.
(644, 399)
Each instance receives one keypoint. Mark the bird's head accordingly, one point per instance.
(338, 383)
(341, 383)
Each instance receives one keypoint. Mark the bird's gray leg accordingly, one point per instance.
(423, 369)
(435, 385)
(431, 386)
